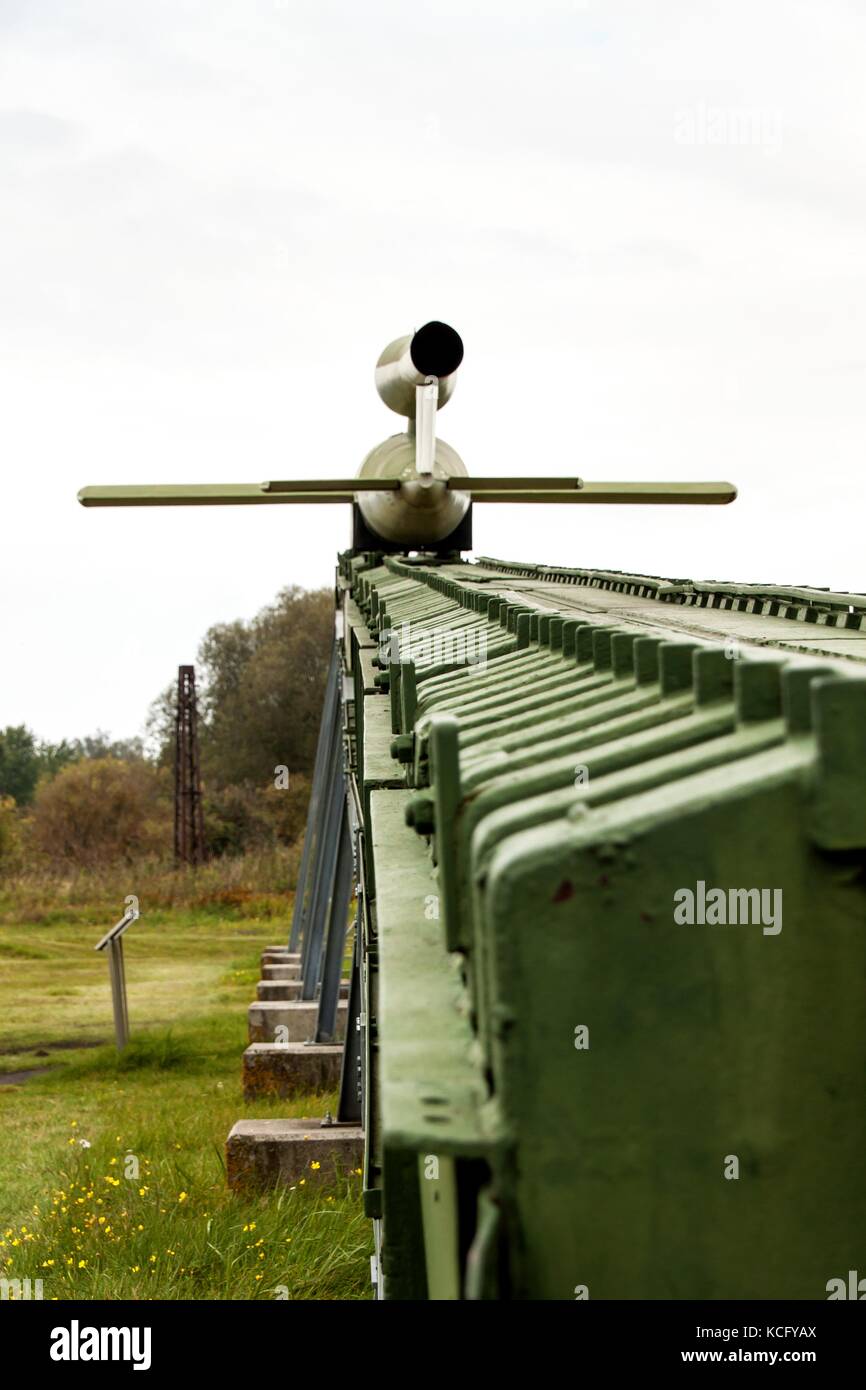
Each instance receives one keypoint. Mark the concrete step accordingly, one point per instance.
(287, 1069)
(281, 972)
(298, 1018)
(278, 989)
(289, 989)
(273, 955)
(266, 1153)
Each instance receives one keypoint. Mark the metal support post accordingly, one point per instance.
(335, 944)
(314, 827)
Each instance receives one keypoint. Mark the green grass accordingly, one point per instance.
(141, 1209)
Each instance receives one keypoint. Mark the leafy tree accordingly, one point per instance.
(159, 727)
(102, 745)
(19, 763)
(54, 756)
(261, 686)
(10, 834)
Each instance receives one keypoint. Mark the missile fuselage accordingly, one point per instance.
(424, 510)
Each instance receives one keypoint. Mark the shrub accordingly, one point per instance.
(240, 818)
(101, 811)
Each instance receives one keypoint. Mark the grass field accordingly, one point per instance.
(111, 1167)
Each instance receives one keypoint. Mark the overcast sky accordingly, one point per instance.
(647, 223)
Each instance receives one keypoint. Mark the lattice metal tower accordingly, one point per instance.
(189, 846)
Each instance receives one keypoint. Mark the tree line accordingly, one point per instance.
(98, 800)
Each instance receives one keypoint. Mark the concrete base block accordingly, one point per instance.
(272, 1069)
(298, 1019)
(280, 955)
(267, 1153)
(279, 989)
(281, 972)
(289, 989)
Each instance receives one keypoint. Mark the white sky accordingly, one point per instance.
(646, 221)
